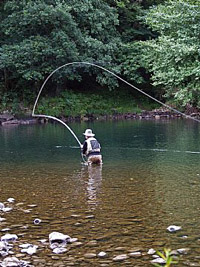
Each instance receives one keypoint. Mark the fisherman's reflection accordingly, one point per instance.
(94, 185)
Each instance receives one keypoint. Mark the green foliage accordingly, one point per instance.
(38, 36)
(173, 58)
(137, 39)
(166, 256)
(71, 103)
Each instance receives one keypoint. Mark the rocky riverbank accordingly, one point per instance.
(158, 114)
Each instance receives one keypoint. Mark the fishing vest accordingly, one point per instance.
(93, 146)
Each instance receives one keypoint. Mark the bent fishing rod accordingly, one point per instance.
(115, 75)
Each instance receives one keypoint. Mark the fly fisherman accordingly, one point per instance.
(91, 148)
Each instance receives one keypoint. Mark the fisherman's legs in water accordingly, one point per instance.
(95, 159)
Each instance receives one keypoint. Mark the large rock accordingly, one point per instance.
(9, 238)
(56, 237)
(14, 262)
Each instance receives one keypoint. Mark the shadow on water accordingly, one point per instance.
(150, 179)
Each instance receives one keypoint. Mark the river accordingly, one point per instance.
(149, 180)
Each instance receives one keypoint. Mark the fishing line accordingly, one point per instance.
(115, 75)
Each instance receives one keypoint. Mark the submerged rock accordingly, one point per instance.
(90, 255)
(37, 221)
(11, 199)
(29, 249)
(14, 262)
(2, 206)
(102, 254)
(135, 254)
(3, 248)
(151, 251)
(59, 241)
(158, 260)
(56, 237)
(7, 209)
(9, 238)
(121, 257)
(173, 228)
(59, 250)
(183, 250)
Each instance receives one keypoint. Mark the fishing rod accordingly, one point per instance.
(115, 75)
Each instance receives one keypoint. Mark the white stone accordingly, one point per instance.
(59, 250)
(11, 262)
(11, 199)
(9, 238)
(2, 206)
(6, 209)
(183, 250)
(159, 261)
(37, 221)
(27, 245)
(102, 254)
(32, 249)
(56, 236)
(120, 257)
(43, 241)
(173, 228)
(135, 254)
(72, 240)
(151, 251)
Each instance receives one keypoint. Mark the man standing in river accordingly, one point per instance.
(91, 148)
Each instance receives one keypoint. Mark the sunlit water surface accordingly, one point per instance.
(150, 179)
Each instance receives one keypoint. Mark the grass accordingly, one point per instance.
(73, 103)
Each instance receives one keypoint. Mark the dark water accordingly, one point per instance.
(150, 179)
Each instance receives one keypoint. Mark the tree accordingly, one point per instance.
(40, 35)
(173, 57)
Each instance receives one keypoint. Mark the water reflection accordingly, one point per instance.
(93, 179)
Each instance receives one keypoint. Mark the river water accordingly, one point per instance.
(150, 179)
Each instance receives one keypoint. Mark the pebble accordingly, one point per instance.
(5, 229)
(37, 221)
(78, 224)
(159, 261)
(2, 206)
(120, 249)
(183, 250)
(173, 228)
(90, 217)
(6, 209)
(59, 250)
(151, 251)
(32, 249)
(32, 205)
(121, 257)
(27, 211)
(90, 255)
(92, 243)
(11, 199)
(72, 240)
(102, 254)
(75, 215)
(135, 254)
(76, 244)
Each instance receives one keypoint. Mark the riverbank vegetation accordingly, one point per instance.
(153, 44)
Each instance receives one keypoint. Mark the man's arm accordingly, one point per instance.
(84, 149)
